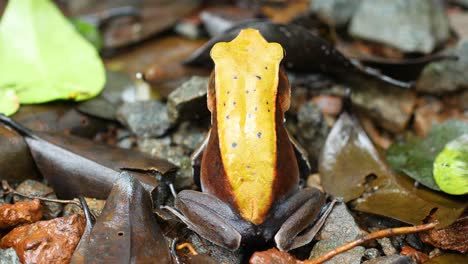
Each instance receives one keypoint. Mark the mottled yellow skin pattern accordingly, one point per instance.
(246, 78)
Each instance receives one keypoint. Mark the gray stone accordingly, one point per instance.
(189, 135)
(371, 253)
(188, 101)
(35, 188)
(312, 130)
(394, 259)
(446, 76)
(339, 228)
(94, 206)
(390, 107)
(352, 256)
(387, 246)
(9, 256)
(175, 154)
(335, 12)
(145, 118)
(411, 26)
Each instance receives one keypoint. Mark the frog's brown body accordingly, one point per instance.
(248, 167)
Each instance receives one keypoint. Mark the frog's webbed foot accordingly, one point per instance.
(209, 217)
(302, 225)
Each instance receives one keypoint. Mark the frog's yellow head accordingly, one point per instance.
(246, 87)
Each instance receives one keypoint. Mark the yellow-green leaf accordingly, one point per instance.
(451, 167)
(43, 58)
(9, 102)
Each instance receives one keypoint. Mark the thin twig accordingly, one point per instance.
(377, 234)
(9, 189)
(189, 247)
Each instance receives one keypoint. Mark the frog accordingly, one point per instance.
(248, 167)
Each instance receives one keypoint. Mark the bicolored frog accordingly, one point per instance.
(249, 168)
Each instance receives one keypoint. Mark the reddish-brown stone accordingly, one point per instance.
(273, 256)
(52, 241)
(12, 215)
(416, 255)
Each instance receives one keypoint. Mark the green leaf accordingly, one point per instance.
(88, 31)
(43, 58)
(416, 156)
(451, 167)
(9, 102)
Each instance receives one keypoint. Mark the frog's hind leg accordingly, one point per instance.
(196, 159)
(209, 217)
(301, 157)
(303, 224)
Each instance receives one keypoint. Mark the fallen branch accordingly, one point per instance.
(8, 189)
(375, 235)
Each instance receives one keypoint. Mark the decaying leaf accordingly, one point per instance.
(452, 237)
(415, 156)
(305, 52)
(79, 255)
(44, 241)
(127, 231)
(449, 258)
(59, 117)
(90, 172)
(352, 168)
(12, 215)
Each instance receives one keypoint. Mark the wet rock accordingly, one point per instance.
(312, 131)
(175, 154)
(94, 205)
(9, 256)
(44, 241)
(339, 228)
(12, 215)
(335, 12)
(411, 26)
(395, 259)
(371, 253)
(189, 135)
(145, 118)
(390, 107)
(34, 188)
(387, 246)
(188, 101)
(446, 76)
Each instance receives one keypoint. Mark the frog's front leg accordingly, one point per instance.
(305, 212)
(210, 217)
